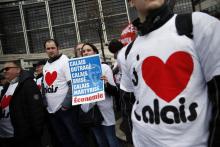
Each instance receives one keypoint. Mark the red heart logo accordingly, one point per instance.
(170, 79)
(39, 86)
(5, 101)
(50, 77)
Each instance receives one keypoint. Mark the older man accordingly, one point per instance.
(22, 112)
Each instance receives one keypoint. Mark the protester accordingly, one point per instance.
(48, 137)
(114, 47)
(105, 133)
(39, 72)
(127, 100)
(174, 77)
(21, 109)
(78, 49)
(58, 93)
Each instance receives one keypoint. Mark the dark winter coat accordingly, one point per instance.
(26, 108)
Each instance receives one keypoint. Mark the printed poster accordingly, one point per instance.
(87, 87)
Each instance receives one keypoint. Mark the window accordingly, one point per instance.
(37, 26)
(183, 6)
(115, 17)
(63, 24)
(88, 20)
(11, 31)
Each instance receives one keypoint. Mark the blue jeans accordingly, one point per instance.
(67, 129)
(105, 136)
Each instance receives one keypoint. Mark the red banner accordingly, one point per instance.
(128, 34)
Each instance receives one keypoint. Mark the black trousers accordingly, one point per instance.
(28, 142)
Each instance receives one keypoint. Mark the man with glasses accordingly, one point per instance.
(21, 109)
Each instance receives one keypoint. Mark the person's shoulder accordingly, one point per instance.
(64, 57)
(123, 49)
(104, 65)
(25, 75)
(46, 65)
(121, 53)
(202, 18)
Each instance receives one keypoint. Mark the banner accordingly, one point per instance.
(87, 86)
(128, 34)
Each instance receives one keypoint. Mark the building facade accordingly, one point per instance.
(25, 25)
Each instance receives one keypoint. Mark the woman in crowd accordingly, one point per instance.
(105, 133)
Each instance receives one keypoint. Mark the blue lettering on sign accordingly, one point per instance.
(85, 75)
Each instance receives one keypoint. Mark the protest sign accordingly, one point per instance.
(87, 86)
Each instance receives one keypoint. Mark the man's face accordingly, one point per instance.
(10, 71)
(51, 49)
(39, 69)
(78, 50)
(145, 6)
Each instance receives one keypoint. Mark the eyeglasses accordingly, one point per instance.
(7, 68)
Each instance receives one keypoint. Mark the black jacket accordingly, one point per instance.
(26, 108)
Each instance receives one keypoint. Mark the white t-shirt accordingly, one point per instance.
(56, 76)
(6, 128)
(117, 76)
(38, 82)
(121, 64)
(1, 87)
(168, 75)
(106, 106)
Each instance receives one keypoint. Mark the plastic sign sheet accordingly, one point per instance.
(128, 34)
(87, 86)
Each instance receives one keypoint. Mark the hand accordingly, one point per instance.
(105, 79)
(63, 108)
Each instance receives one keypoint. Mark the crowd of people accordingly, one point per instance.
(165, 83)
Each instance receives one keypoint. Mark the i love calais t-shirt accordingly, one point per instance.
(56, 76)
(168, 74)
(6, 128)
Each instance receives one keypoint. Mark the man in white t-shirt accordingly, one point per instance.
(58, 94)
(175, 79)
(126, 99)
